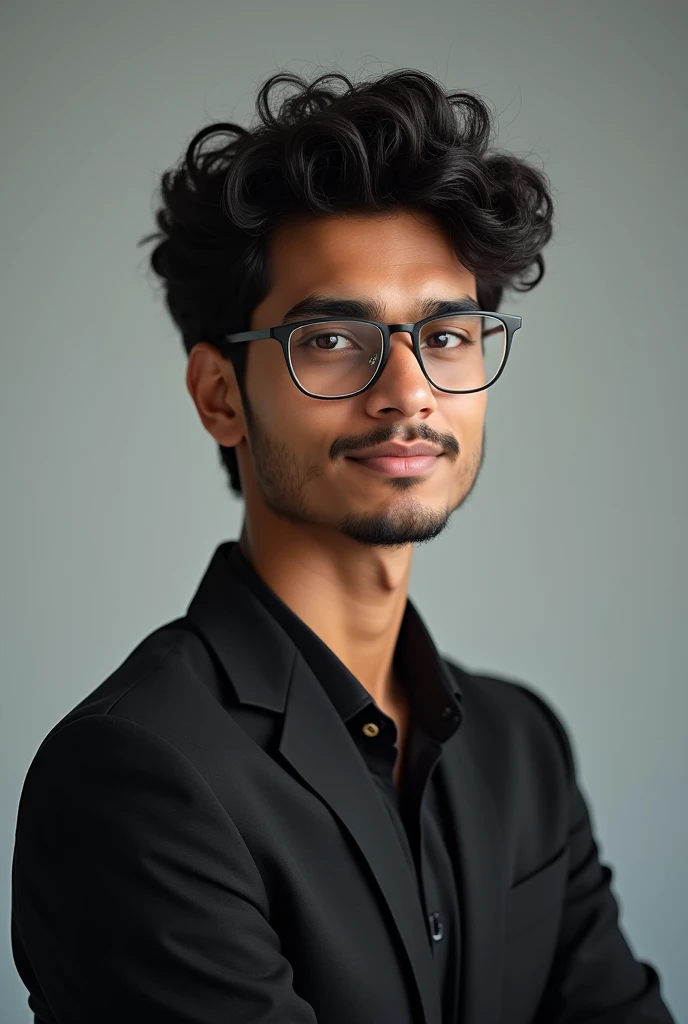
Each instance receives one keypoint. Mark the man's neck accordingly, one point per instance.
(352, 596)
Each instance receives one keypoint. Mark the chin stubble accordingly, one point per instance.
(283, 479)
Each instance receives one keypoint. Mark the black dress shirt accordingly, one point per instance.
(419, 812)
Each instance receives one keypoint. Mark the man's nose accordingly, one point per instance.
(402, 384)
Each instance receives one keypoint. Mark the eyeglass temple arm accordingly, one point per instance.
(247, 335)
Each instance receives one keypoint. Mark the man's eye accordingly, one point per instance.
(448, 339)
(327, 342)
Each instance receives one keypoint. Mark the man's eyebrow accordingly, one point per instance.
(316, 305)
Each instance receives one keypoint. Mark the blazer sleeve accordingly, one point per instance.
(134, 894)
(594, 976)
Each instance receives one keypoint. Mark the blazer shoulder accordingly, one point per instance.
(167, 685)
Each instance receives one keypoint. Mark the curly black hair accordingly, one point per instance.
(399, 141)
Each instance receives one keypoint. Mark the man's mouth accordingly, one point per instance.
(396, 465)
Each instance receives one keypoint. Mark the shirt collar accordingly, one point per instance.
(433, 690)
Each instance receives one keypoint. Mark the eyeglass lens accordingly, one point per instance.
(337, 358)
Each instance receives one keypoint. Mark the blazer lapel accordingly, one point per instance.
(264, 669)
(319, 748)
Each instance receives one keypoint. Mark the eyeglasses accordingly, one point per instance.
(328, 358)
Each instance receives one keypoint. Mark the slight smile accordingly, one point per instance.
(395, 465)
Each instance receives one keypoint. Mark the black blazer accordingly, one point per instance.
(199, 842)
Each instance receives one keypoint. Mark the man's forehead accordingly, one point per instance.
(398, 282)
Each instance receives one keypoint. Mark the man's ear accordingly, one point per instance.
(211, 382)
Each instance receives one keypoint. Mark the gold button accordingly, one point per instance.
(371, 729)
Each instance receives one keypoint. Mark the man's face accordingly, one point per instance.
(300, 456)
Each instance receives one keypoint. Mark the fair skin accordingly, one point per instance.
(351, 592)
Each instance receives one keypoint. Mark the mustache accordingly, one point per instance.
(349, 444)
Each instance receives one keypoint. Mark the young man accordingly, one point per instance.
(286, 806)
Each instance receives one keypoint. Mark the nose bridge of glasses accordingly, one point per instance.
(397, 329)
(401, 329)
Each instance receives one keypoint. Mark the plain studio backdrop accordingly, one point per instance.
(566, 568)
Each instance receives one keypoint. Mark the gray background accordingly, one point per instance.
(567, 567)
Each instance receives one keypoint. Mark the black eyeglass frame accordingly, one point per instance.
(283, 332)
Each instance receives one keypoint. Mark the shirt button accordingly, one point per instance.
(371, 729)
(436, 927)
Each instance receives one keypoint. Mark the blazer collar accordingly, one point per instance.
(266, 670)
